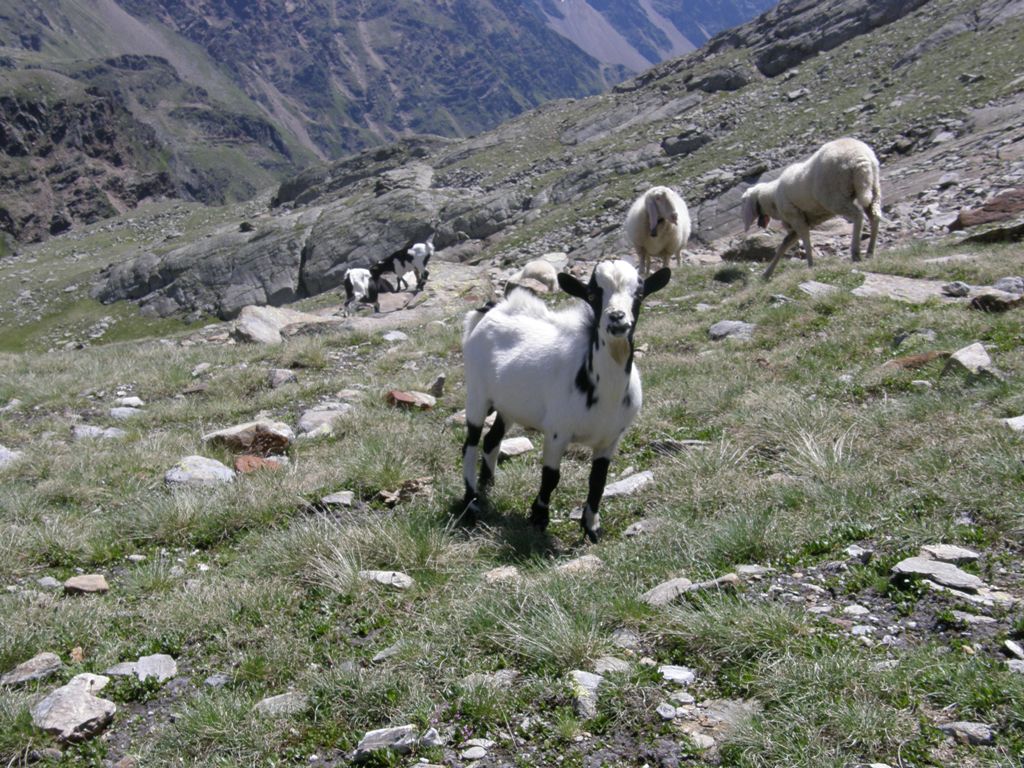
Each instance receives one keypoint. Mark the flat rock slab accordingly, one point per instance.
(39, 666)
(401, 739)
(679, 675)
(269, 325)
(629, 485)
(86, 584)
(339, 499)
(159, 666)
(817, 290)
(906, 289)
(260, 436)
(973, 358)
(949, 553)
(945, 574)
(502, 574)
(584, 688)
(977, 734)
(731, 329)
(7, 456)
(666, 592)
(514, 446)
(291, 703)
(326, 417)
(124, 412)
(412, 399)
(73, 712)
(198, 471)
(395, 579)
(581, 565)
(90, 432)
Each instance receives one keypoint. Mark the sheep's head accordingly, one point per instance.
(615, 292)
(757, 205)
(659, 208)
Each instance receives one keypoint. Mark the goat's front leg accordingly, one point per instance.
(785, 245)
(469, 452)
(554, 448)
(492, 446)
(591, 520)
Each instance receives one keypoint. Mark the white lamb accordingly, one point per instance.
(568, 373)
(658, 224)
(840, 179)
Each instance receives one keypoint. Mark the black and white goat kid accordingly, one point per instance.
(414, 257)
(568, 373)
(363, 286)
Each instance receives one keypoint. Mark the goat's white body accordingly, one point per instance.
(663, 211)
(522, 359)
(841, 179)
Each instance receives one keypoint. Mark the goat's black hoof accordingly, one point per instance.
(470, 513)
(593, 536)
(539, 517)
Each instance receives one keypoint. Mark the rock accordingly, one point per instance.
(759, 247)
(260, 437)
(502, 574)
(1002, 207)
(907, 289)
(503, 678)
(1010, 285)
(670, 447)
(89, 432)
(247, 464)
(1016, 665)
(973, 358)
(129, 402)
(817, 290)
(395, 579)
(626, 639)
(728, 581)
(73, 712)
(269, 325)
(431, 738)
(418, 400)
(395, 337)
(122, 669)
(972, 619)
(198, 471)
(977, 734)
(124, 413)
(581, 565)
(666, 711)
(278, 377)
(692, 138)
(291, 703)
(94, 583)
(629, 485)
(958, 289)
(753, 572)
(437, 388)
(611, 665)
(339, 499)
(676, 674)
(48, 582)
(217, 680)
(159, 666)
(857, 552)
(1012, 648)
(584, 688)
(8, 457)
(666, 592)
(996, 302)
(39, 666)
(326, 417)
(401, 740)
(473, 753)
(949, 553)
(941, 573)
(856, 610)
(642, 527)
(514, 446)
(731, 329)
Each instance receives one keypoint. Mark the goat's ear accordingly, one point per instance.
(573, 286)
(657, 281)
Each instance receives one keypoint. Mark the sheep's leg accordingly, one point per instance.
(873, 220)
(858, 226)
(591, 520)
(785, 245)
(549, 477)
(805, 236)
(492, 446)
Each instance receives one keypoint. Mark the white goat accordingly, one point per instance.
(538, 270)
(840, 179)
(362, 285)
(415, 256)
(658, 224)
(569, 374)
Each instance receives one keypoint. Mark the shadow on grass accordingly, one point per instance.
(517, 541)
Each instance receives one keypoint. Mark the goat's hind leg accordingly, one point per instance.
(474, 428)
(591, 520)
(492, 447)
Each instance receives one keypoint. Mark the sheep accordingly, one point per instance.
(538, 270)
(840, 179)
(363, 285)
(567, 373)
(658, 224)
(414, 256)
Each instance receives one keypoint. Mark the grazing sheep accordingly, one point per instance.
(840, 179)
(363, 285)
(568, 373)
(658, 224)
(538, 270)
(414, 257)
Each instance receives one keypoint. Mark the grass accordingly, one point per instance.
(254, 582)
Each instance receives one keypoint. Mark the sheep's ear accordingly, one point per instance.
(652, 212)
(657, 281)
(573, 286)
(749, 209)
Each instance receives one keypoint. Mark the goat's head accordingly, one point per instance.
(659, 207)
(757, 205)
(615, 292)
